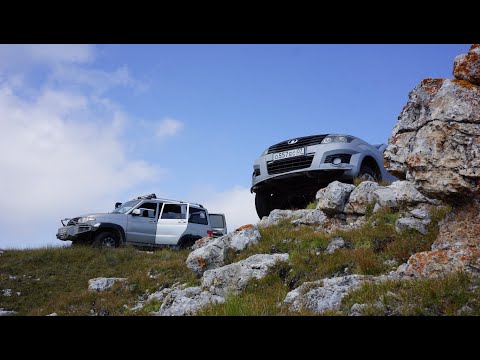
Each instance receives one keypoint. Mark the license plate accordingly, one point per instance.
(288, 154)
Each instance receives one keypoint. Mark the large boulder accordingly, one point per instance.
(332, 199)
(322, 295)
(467, 66)
(457, 247)
(101, 284)
(400, 194)
(436, 140)
(211, 254)
(296, 217)
(234, 277)
(410, 223)
(360, 198)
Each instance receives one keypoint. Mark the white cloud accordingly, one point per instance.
(52, 167)
(237, 203)
(169, 127)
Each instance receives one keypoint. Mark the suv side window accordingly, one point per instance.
(197, 216)
(174, 211)
(148, 209)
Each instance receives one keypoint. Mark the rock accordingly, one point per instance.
(332, 198)
(297, 217)
(335, 244)
(4, 312)
(2, 252)
(202, 242)
(400, 194)
(52, 314)
(457, 247)
(361, 197)
(182, 302)
(241, 239)
(421, 214)
(327, 294)
(102, 284)
(435, 142)
(212, 255)
(356, 309)
(234, 277)
(409, 223)
(467, 66)
(390, 263)
(7, 292)
(465, 310)
(248, 226)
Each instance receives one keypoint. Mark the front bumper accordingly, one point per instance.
(73, 232)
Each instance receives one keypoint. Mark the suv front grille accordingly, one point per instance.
(344, 157)
(73, 221)
(290, 164)
(301, 142)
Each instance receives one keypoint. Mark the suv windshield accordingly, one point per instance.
(125, 207)
(217, 221)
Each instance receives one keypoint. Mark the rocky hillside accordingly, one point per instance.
(408, 248)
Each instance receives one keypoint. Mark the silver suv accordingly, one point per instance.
(288, 174)
(145, 221)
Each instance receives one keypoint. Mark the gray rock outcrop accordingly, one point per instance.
(327, 294)
(332, 199)
(234, 277)
(4, 312)
(410, 223)
(435, 140)
(400, 194)
(211, 254)
(296, 217)
(101, 284)
(335, 244)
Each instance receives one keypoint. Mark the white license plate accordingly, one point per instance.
(288, 154)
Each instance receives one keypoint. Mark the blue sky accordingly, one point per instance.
(84, 126)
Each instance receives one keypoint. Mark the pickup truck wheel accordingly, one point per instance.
(263, 204)
(106, 239)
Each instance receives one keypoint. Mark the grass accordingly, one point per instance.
(56, 279)
(447, 295)
(312, 205)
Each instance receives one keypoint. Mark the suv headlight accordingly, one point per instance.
(333, 139)
(265, 152)
(86, 219)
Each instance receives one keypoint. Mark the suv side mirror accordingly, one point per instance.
(117, 205)
(136, 212)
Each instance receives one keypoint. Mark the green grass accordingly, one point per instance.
(312, 205)
(56, 279)
(439, 296)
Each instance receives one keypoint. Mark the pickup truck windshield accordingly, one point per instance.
(125, 207)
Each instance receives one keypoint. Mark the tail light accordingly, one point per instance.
(210, 233)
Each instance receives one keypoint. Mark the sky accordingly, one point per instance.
(84, 126)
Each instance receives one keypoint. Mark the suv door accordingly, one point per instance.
(142, 228)
(198, 224)
(219, 225)
(171, 224)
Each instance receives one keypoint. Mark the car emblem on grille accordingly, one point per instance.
(294, 141)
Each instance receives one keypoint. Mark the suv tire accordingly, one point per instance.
(264, 203)
(366, 173)
(106, 239)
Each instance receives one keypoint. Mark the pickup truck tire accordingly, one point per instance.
(106, 239)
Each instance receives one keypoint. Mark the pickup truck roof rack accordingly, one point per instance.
(153, 196)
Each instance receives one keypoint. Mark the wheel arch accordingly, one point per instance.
(117, 229)
(372, 163)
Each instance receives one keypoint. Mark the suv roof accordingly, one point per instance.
(154, 197)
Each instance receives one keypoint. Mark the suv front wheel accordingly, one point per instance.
(264, 203)
(106, 239)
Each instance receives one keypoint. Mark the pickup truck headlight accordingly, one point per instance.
(86, 219)
(336, 139)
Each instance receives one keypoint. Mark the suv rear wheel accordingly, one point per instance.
(106, 239)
